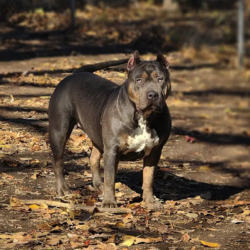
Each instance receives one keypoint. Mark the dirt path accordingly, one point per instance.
(202, 179)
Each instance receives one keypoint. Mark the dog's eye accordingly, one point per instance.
(160, 79)
(138, 80)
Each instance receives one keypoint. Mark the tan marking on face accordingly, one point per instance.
(154, 74)
(144, 75)
(132, 94)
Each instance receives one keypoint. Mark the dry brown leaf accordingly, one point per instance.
(147, 240)
(82, 227)
(14, 202)
(56, 229)
(21, 238)
(118, 185)
(7, 176)
(54, 241)
(111, 239)
(5, 236)
(90, 202)
(130, 240)
(34, 176)
(185, 237)
(119, 194)
(45, 206)
(44, 226)
(127, 218)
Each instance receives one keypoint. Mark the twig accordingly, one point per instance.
(91, 209)
(232, 203)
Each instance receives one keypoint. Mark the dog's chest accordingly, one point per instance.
(142, 139)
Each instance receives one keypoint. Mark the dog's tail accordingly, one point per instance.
(94, 67)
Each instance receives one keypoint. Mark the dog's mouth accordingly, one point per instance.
(150, 108)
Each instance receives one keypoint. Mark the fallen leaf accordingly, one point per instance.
(21, 238)
(235, 221)
(90, 201)
(34, 206)
(82, 227)
(5, 146)
(56, 229)
(204, 168)
(127, 218)
(14, 202)
(119, 194)
(185, 237)
(44, 226)
(5, 236)
(192, 215)
(25, 159)
(118, 185)
(246, 212)
(147, 240)
(54, 241)
(87, 174)
(7, 176)
(129, 241)
(45, 206)
(111, 239)
(210, 244)
(34, 176)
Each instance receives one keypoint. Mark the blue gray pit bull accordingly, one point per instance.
(125, 123)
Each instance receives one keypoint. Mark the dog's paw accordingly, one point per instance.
(153, 204)
(63, 191)
(109, 203)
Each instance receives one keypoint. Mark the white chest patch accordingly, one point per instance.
(143, 139)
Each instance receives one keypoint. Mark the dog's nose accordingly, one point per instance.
(152, 95)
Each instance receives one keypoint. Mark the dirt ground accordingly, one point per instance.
(203, 177)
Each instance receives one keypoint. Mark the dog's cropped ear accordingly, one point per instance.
(133, 60)
(162, 60)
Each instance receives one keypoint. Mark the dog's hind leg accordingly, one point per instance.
(94, 162)
(60, 128)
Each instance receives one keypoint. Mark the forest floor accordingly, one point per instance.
(203, 177)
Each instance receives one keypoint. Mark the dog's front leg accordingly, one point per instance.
(111, 160)
(149, 164)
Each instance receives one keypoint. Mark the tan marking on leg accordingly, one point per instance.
(148, 196)
(94, 162)
(123, 142)
(148, 179)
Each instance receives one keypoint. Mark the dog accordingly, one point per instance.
(127, 122)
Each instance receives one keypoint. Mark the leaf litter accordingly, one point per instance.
(194, 212)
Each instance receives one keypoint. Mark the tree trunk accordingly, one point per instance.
(170, 5)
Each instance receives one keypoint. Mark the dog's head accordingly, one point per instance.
(148, 83)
